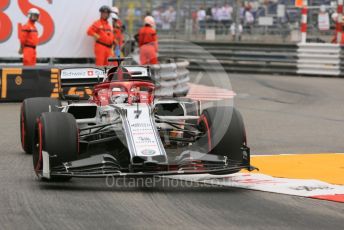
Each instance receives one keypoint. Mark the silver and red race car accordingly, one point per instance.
(123, 130)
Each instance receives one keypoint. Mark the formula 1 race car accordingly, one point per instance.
(123, 130)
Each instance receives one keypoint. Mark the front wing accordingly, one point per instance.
(106, 165)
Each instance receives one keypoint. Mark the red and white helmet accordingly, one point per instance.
(149, 20)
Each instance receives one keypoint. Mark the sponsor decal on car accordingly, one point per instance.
(143, 136)
(148, 152)
(90, 73)
(78, 73)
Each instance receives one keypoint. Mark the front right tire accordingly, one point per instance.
(57, 134)
(224, 133)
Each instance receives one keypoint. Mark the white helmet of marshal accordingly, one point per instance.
(33, 11)
(150, 21)
(114, 16)
(115, 10)
(334, 17)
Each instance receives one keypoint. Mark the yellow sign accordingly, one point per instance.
(54, 79)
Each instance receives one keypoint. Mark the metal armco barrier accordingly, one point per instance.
(235, 57)
(171, 76)
(319, 59)
(20, 83)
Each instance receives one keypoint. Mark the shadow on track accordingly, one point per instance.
(163, 185)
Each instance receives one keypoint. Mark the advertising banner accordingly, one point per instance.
(17, 84)
(62, 26)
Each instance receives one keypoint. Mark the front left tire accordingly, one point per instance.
(31, 109)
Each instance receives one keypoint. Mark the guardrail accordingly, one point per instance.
(172, 77)
(319, 59)
(235, 57)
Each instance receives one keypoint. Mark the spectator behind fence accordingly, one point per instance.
(215, 12)
(236, 31)
(209, 16)
(249, 20)
(201, 16)
(226, 17)
(194, 21)
(173, 17)
(157, 15)
(168, 19)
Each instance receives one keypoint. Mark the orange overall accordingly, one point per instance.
(103, 45)
(29, 40)
(148, 43)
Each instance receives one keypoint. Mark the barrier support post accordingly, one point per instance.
(339, 29)
(304, 11)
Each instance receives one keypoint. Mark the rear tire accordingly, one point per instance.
(225, 133)
(31, 109)
(57, 134)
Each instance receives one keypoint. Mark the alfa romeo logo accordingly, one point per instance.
(148, 152)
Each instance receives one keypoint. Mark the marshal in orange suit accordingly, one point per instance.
(102, 32)
(29, 39)
(148, 42)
